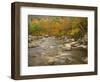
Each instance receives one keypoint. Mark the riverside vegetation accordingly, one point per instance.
(57, 40)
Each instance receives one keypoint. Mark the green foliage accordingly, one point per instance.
(34, 28)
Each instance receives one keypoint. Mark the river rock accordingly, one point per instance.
(32, 44)
(73, 43)
(71, 40)
(29, 36)
(82, 46)
(59, 61)
(50, 60)
(67, 47)
(52, 47)
(29, 40)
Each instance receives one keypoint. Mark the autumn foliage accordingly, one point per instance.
(58, 26)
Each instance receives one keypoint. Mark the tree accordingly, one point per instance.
(73, 27)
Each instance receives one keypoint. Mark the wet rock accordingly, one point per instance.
(46, 36)
(67, 47)
(34, 38)
(72, 43)
(71, 40)
(50, 60)
(29, 36)
(64, 54)
(82, 46)
(75, 45)
(32, 45)
(52, 47)
(29, 40)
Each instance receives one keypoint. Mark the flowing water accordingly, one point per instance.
(50, 51)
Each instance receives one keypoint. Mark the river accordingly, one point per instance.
(51, 51)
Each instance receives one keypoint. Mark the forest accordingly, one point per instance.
(72, 27)
(57, 40)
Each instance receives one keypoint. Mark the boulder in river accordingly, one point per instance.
(67, 46)
(50, 60)
(32, 44)
(82, 46)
